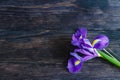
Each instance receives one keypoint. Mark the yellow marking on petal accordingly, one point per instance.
(95, 41)
(81, 37)
(77, 62)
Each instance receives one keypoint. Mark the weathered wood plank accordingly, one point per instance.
(35, 38)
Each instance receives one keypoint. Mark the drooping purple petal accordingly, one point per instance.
(100, 42)
(72, 67)
(86, 58)
(86, 54)
(74, 54)
(83, 51)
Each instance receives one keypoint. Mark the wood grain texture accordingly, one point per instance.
(35, 38)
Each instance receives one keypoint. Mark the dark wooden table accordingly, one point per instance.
(35, 38)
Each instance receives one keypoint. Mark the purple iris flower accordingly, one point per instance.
(86, 50)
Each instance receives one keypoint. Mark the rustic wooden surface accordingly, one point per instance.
(35, 38)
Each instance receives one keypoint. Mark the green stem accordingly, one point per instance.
(111, 59)
(108, 53)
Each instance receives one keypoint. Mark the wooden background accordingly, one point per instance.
(35, 38)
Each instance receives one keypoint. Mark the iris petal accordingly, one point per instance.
(75, 55)
(86, 58)
(100, 42)
(73, 65)
(83, 51)
(78, 36)
(75, 41)
(83, 32)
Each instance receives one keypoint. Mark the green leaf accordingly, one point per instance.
(109, 58)
(116, 55)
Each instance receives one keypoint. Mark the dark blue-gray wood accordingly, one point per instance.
(35, 38)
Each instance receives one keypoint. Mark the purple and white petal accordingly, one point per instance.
(78, 36)
(83, 51)
(75, 55)
(100, 42)
(73, 65)
(86, 58)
